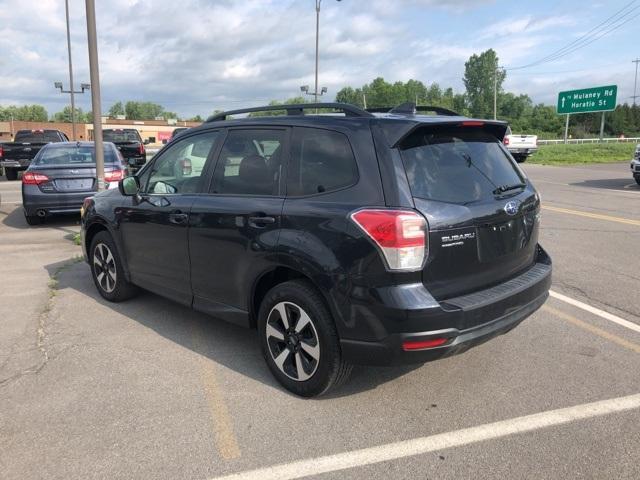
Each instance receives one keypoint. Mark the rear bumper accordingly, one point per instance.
(51, 203)
(484, 315)
(523, 151)
(19, 164)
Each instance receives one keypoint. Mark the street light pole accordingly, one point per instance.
(95, 91)
(318, 2)
(73, 103)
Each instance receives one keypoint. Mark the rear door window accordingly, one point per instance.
(250, 163)
(456, 164)
(37, 136)
(321, 161)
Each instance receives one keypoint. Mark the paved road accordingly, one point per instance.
(149, 389)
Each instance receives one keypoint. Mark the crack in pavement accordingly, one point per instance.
(41, 333)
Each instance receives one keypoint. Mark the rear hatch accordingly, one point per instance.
(481, 210)
(127, 142)
(522, 141)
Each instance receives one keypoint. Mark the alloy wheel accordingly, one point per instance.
(293, 341)
(104, 267)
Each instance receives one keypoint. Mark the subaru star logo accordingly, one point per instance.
(511, 207)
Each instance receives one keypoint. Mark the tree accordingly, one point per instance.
(480, 72)
(65, 116)
(26, 113)
(142, 110)
(116, 109)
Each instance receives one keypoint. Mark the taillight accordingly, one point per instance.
(506, 141)
(113, 175)
(401, 236)
(185, 164)
(141, 149)
(33, 178)
(1, 151)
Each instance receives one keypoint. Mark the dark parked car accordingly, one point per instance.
(17, 155)
(62, 175)
(359, 239)
(129, 142)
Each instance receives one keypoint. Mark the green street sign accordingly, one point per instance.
(596, 99)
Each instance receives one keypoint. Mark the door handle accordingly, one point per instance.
(178, 218)
(260, 222)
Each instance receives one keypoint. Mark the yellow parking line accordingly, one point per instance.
(593, 329)
(222, 424)
(597, 216)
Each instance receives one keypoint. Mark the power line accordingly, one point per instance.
(612, 23)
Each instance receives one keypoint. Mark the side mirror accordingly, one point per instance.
(129, 186)
(146, 141)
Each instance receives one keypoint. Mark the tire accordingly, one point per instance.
(637, 179)
(107, 271)
(11, 173)
(33, 220)
(313, 365)
(520, 158)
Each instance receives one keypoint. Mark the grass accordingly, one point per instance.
(583, 153)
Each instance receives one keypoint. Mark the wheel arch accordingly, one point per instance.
(275, 276)
(100, 225)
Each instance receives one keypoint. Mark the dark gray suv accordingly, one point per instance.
(344, 238)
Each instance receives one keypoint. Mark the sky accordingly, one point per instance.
(194, 56)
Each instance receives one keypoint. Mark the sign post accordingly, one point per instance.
(587, 100)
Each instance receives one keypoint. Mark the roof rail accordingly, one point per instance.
(410, 108)
(294, 109)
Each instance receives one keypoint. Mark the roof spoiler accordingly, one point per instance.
(396, 133)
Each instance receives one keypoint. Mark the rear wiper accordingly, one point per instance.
(507, 188)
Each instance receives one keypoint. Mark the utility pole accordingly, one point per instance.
(495, 92)
(635, 82)
(364, 100)
(73, 103)
(95, 91)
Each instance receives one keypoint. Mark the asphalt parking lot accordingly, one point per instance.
(150, 389)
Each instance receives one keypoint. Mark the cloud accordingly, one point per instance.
(193, 56)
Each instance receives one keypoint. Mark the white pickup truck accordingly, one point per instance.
(520, 146)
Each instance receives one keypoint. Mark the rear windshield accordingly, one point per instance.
(456, 165)
(120, 136)
(38, 137)
(73, 155)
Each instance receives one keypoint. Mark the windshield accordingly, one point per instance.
(73, 155)
(120, 136)
(456, 165)
(37, 136)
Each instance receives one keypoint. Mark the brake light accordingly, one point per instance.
(423, 344)
(472, 123)
(506, 141)
(32, 178)
(141, 149)
(401, 236)
(113, 175)
(1, 151)
(185, 164)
